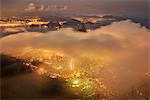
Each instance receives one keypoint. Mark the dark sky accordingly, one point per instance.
(137, 8)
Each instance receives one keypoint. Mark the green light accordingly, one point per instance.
(87, 86)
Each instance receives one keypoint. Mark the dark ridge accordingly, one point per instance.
(11, 66)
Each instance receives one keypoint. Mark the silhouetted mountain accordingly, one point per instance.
(81, 27)
(11, 66)
(113, 17)
(71, 23)
(143, 22)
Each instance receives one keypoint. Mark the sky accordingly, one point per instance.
(137, 8)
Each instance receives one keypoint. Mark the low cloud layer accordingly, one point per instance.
(125, 42)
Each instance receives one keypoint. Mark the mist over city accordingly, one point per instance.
(75, 49)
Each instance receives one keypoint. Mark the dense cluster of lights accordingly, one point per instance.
(21, 23)
(81, 74)
(93, 20)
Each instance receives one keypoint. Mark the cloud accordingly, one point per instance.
(30, 7)
(41, 7)
(125, 43)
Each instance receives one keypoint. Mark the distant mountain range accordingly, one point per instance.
(87, 23)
